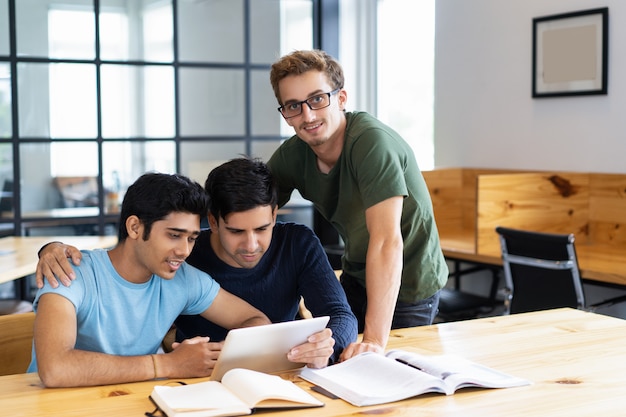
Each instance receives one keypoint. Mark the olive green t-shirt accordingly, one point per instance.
(375, 164)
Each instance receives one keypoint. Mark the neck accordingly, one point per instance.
(126, 265)
(329, 152)
(217, 247)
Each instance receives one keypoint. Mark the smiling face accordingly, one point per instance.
(315, 127)
(242, 238)
(168, 245)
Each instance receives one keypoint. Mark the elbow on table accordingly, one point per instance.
(53, 376)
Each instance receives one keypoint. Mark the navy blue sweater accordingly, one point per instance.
(295, 265)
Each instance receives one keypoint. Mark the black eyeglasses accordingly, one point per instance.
(316, 102)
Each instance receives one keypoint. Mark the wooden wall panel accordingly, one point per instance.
(554, 202)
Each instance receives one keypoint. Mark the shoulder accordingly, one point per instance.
(297, 232)
(288, 155)
(369, 139)
(364, 129)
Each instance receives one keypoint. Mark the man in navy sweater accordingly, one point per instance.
(269, 264)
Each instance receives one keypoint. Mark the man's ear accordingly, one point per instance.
(212, 221)
(342, 98)
(134, 227)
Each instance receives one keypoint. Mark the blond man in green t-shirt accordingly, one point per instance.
(363, 178)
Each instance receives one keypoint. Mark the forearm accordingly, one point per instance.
(83, 368)
(342, 322)
(254, 321)
(383, 276)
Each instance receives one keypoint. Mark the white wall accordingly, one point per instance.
(484, 113)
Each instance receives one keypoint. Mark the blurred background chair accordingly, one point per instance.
(16, 338)
(540, 271)
(456, 304)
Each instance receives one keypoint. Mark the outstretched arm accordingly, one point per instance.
(54, 266)
(383, 273)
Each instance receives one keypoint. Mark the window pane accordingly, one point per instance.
(406, 80)
(211, 31)
(6, 124)
(137, 101)
(6, 181)
(197, 159)
(278, 27)
(265, 30)
(57, 100)
(264, 148)
(296, 25)
(124, 162)
(59, 175)
(58, 31)
(4, 27)
(265, 118)
(127, 32)
(212, 102)
(73, 101)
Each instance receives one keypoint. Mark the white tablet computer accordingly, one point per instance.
(265, 348)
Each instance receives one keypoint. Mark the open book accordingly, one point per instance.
(240, 391)
(371, 378)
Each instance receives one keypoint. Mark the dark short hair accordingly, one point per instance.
(240, 184)
(155, 195)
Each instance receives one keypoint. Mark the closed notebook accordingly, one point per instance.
(240, 392)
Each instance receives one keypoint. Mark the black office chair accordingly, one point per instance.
(540, 271)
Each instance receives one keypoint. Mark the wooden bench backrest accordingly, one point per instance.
(453, 192)
(16, 337)
(607, 208)
(553, 202)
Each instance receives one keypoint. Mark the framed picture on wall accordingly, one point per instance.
(570, 54)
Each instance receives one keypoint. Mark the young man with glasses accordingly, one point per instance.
(364, 179)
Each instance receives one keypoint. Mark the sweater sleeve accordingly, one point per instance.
(323, 294)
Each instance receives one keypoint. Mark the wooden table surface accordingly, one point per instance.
(18, 254)
(576, 361)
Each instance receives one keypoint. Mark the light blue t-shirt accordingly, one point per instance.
(118, 317)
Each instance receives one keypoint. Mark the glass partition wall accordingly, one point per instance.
(95, 93)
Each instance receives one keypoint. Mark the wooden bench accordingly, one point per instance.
(469, 203)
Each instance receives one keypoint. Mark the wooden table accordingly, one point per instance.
(18, 254)
(576, 361)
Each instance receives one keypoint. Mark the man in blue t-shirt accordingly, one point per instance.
(108, 326)
(268, 264)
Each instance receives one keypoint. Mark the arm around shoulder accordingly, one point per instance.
(53, 264)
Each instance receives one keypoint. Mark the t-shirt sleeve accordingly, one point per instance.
(280, 167)
(75, 293)
(202, 290)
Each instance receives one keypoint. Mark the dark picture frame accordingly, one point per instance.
(570, 54)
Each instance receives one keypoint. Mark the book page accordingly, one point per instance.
(456, 371)
(371, 378)
(261, 390)
(201, 399)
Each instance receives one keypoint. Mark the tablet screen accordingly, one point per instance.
(265, 348)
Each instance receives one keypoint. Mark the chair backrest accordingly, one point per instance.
(540, 270)
(16, 338)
